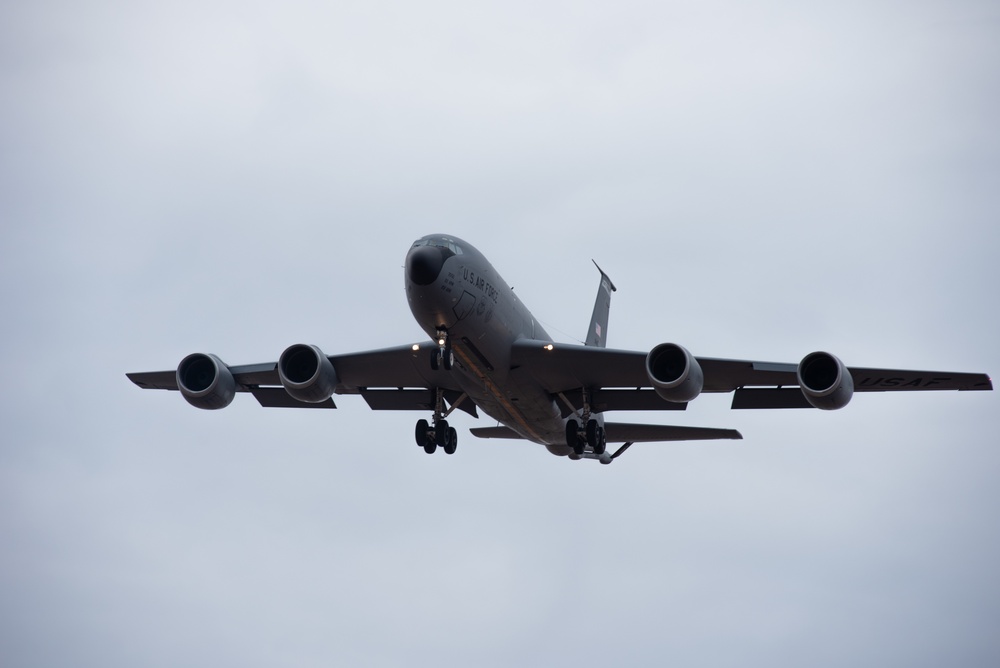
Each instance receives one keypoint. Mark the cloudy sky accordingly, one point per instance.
(760, 180)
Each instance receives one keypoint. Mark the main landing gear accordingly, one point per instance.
(430, 435)
(429, 438)
(588, 433)
(591, 435)
(442, 357)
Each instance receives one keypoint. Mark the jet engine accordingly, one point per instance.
(205, 381)
(306, 373)
(674, 372)
(825, 381)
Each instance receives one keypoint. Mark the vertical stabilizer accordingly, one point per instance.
(598, 332)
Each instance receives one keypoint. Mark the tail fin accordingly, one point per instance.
(598, 332)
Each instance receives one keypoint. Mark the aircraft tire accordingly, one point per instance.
(430, 447)
(571, 429)
(452, 444)
(602, 442)
(593, 434)
(421, 433)
(573, 437)
(435, 359)
(441, 433)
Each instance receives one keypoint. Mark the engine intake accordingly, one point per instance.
(674, 372)
(306, 373)
(205, 381)
(825, 381)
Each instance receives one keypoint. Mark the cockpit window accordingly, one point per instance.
(447, 244)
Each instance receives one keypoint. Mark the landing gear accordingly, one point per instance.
(442, 357)
(573, 439)
(423, 432)
(592, 435)
(596, 438)
(430, 435)
(451, 443)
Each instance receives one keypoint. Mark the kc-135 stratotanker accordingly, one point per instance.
(488, 352)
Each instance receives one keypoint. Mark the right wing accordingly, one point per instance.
(397, 378)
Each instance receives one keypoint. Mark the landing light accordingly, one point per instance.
(416, 346)
(549, 347)
(440, 342)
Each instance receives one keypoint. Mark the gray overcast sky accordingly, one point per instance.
(760, 180)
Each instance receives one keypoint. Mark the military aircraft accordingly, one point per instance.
(487, 352)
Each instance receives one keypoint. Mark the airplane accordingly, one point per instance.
(488, 352)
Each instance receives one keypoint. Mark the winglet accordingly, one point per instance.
(598, 332)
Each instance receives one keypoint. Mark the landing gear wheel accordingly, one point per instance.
(442, 358)
(421, 433)
(596, 437)
(573, 436)
(441, 433)
(452, 444)
(430, 446)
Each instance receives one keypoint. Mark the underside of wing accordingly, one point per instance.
(564, 367)
(622, 380)
(897, 380)
(399, 378)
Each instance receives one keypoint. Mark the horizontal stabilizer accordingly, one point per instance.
(619, 432)
(495, 432)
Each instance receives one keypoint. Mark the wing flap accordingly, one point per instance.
(154, 380)
(562, 367)
(402, 366)
(602, 401)
(768, 397)
(414, 400)
(276, 397)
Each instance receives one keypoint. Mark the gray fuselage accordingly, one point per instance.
(451, 287)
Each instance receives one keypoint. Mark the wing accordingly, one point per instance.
(396, 378)
(617, 379)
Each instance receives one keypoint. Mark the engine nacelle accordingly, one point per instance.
(306, 373)
(205, 381)
(674, 372)
(825, 381)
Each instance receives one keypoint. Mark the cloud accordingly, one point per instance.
(759, 182)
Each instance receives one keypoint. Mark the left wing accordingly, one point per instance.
(621, 377)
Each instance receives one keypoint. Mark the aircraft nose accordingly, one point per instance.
(423, 264)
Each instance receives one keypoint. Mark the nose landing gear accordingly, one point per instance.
(442, 357)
